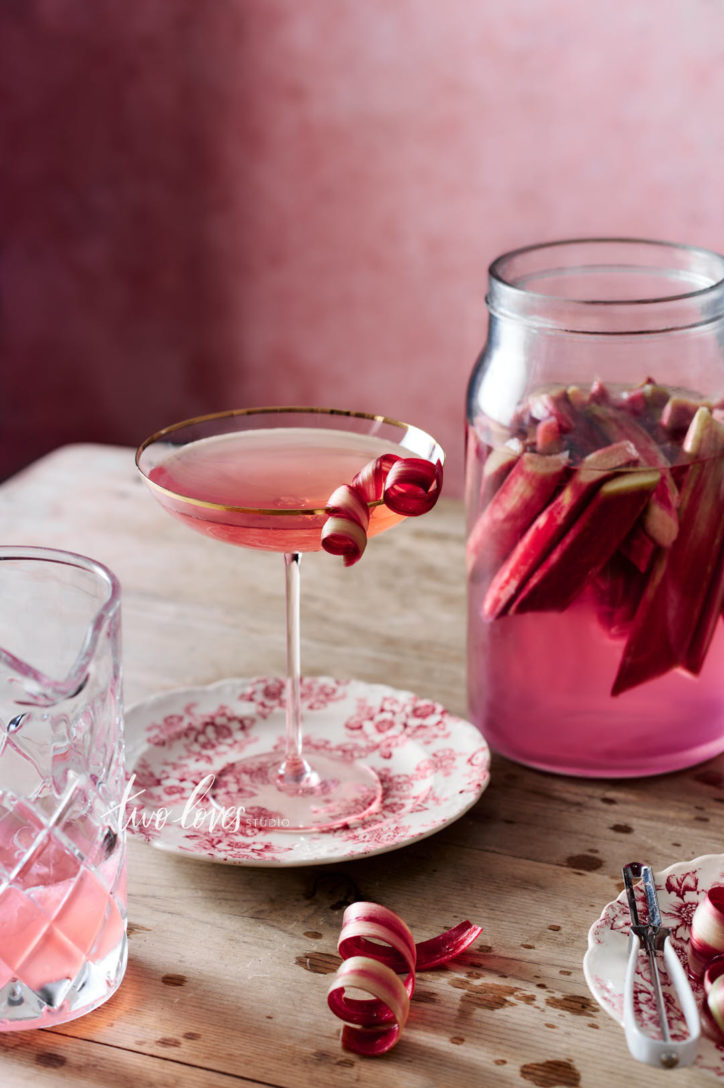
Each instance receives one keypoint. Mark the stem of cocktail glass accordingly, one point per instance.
(294, 771)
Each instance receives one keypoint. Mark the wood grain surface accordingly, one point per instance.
(229, 966)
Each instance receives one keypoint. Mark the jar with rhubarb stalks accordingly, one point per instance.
(595, 508)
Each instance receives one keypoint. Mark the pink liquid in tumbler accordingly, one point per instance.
(59, 918)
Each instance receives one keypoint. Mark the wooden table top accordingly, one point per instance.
(229, 966)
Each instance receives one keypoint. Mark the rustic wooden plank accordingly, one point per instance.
(56, 1059)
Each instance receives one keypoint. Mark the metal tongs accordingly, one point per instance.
(652, 937)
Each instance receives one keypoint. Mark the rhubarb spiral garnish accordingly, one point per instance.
(370, 480)
(408, 486)
(345, 530)
(377, 947)
(412, 486)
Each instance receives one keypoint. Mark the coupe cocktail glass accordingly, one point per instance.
(262, 478)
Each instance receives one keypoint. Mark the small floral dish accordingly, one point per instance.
(679, 889)
(432, 765)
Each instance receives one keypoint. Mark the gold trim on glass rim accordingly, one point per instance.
(230, 414)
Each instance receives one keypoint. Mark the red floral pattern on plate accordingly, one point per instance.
(432, 765)
(679, 889)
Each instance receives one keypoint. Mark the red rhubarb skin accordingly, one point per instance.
(539, 687)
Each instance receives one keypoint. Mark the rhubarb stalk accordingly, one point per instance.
(668, 614)
(588, 544)
(525, 493)
(548, 528)
(550, 524)
(660, 520)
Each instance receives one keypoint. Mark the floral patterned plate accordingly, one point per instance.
(679, 889)
(433, 767)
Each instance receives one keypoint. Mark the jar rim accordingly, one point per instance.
(512, 274)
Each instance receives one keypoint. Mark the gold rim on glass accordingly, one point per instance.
(157, 436)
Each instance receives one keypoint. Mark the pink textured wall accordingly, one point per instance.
(212, 203)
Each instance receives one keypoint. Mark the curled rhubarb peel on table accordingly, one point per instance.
(409, 486)
(617, 494)
(377, 947)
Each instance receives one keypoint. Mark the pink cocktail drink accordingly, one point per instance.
(596, 580)
(62, 919)
(267, 488)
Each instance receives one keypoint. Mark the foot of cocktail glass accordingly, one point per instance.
(290, 793)
(336, 793)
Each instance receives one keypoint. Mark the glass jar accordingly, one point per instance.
(595, 508)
